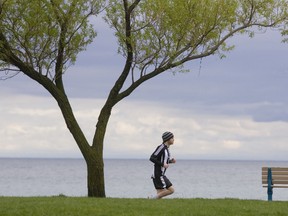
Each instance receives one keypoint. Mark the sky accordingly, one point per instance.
(225, 109)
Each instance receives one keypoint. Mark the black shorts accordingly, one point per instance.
(161, 182)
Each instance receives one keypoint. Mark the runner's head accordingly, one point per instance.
(168, 137)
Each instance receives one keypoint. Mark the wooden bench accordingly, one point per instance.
(274, 177)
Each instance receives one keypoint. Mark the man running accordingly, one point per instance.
(161, 160)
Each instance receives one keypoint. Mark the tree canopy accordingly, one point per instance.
(45, 35)
(164, 35)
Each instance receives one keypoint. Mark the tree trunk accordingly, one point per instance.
(92, 155)
(94, 158)
(95, 176)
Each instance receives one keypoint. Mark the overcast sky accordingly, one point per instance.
(233, 108)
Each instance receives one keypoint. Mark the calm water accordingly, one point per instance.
(131, 178)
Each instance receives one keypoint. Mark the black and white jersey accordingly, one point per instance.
(160, 156)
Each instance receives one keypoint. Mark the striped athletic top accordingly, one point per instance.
(160, 156)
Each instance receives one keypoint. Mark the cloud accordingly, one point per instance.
(231, 144)
(271, 112)
(135, 130)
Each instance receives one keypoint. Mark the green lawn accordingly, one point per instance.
(83, 206)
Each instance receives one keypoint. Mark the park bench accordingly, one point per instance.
(274, 177)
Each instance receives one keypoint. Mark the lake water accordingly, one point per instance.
(131, 178)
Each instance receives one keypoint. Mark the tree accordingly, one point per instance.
(42, 38)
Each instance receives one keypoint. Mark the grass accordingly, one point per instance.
(82, 206)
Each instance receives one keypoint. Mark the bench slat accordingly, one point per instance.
(275, 182)
(265, 169)
(264, 178)
(276, 186)
(282, 173)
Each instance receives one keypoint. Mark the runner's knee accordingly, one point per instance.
(171, 189)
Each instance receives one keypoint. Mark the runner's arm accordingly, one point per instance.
(155, 160)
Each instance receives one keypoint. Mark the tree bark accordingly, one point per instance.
(95, 176)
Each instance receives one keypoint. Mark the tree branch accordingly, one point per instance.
(114, 93)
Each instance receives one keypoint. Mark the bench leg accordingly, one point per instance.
(270, 183)
(270, 193)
